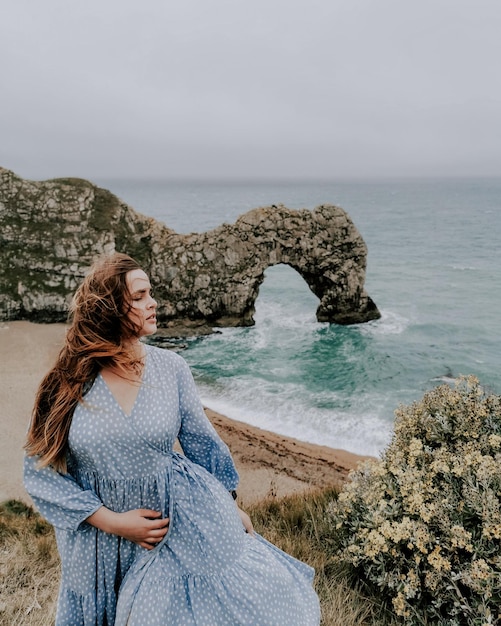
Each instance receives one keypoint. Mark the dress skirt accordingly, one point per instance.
(209, 572)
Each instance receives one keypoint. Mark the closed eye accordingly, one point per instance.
(139, 295)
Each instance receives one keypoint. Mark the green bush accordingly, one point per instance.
(422, 525)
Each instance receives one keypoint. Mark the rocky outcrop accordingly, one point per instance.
(51, 231)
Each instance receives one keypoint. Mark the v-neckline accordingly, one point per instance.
(140, 386)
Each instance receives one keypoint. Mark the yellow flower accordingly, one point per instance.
(422, 538)
(436, 560)
(461, 538)
(432, 580)
(399, 605)
(480, 570)
(411, 586)
(492, 531)
(427, 511)
(487, 468)
(376, 544)
(495, 441)
(480, 577)
(440, 466)
(415, 448)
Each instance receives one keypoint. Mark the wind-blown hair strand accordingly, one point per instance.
(97, 337)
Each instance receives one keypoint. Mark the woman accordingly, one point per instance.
(147, 536)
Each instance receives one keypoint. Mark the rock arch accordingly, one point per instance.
(284, 291)
(51, 231)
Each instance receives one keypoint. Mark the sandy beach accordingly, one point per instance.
(268, 463)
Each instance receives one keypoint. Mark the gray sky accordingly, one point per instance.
(268, 88)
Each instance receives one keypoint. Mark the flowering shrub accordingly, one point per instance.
(423, 523)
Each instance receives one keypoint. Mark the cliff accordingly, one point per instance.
(51, 231)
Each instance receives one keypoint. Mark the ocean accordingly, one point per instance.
(433, 270)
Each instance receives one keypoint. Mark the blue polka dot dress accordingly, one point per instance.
(206, 571)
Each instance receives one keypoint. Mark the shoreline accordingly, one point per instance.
(268, 463)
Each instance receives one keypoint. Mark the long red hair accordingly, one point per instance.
(97, 337)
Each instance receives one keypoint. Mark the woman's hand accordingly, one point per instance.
(246, 521)
(141, 526)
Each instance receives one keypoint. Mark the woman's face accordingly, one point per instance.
(143, 306)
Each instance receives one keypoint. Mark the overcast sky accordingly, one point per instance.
(262, 88)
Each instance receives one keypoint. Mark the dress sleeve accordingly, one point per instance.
(58, 496)
(198, 438)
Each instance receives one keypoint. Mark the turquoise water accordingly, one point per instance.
(433, 270)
